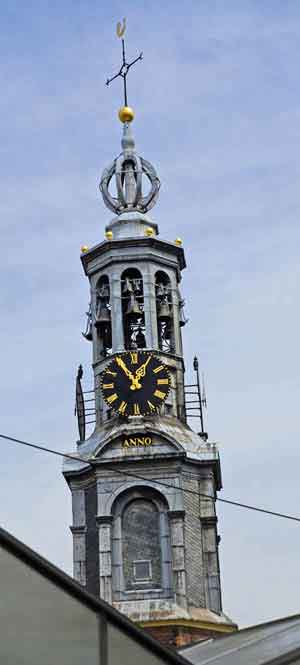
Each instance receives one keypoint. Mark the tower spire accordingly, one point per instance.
(128, 169)
(126, 113)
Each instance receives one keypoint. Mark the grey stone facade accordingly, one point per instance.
(188, 525)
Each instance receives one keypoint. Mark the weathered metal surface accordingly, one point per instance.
(272, 642)
(79, 408)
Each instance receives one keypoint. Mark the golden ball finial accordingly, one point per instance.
(178, 242)
(84, 249)
(109, 235)
(126, 114)
(149, 231)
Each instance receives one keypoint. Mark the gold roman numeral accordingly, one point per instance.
(158, 369)
(159, 394)
(136, 410)
(112, 398)
(107, 386)
(151, 406)
(122, 407)
(162, 382)
(108, 371)
(134, 357)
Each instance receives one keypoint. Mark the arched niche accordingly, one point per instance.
(141, 548)
(132, 295)
(102, 315)
(164, 312)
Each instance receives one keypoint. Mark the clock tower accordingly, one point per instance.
(144, 485)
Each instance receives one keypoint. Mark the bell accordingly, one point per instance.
(133, 311)
(182, 319)
(140, 339)
(164, 312)
(107, 338)
(128, 286)
(88, 333)
(103, 318)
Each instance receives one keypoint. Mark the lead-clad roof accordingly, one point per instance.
(265, 644)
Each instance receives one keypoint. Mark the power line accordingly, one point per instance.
(158, 482)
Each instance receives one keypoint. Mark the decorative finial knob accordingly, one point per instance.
(84, 249)
(126, 114)
(178, 242)
(149, 231)
(109, 235)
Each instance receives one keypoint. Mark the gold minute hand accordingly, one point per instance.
(135, 385)
(141, 371)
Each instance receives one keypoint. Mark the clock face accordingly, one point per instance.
(135, 383)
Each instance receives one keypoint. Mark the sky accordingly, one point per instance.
(217, 102)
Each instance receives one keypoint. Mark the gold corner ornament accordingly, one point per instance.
(121, 27)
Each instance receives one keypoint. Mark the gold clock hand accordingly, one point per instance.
(141, 371)
(121, 364)
(135, 385)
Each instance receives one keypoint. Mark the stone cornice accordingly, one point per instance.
(114, 245)
(191, 623)
(176, 514)
(104, 519)
(78, 530)
(208, 521)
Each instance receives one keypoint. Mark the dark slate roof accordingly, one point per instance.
(273, 642)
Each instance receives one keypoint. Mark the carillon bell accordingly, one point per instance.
(103, 318)
(133, 311)
(164, 311)
(140, 339)
(182, 319)
(88, 333)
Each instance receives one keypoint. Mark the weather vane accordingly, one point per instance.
(125, 66)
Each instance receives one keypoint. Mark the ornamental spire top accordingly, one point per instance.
(128, 169)
(126, 113)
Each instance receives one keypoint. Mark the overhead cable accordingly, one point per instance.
(130, 474)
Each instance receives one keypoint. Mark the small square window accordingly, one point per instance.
(142, 571)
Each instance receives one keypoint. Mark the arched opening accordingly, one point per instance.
(141, 548)
(133, 309)
(164, 312)
(103, 315)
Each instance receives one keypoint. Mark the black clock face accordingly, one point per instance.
(135, 383)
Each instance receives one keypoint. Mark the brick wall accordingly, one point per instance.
(176, 637)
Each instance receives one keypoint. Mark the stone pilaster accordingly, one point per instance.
(150, 308)
(79, 554)
(210, 545)
(104, 525)
(116, 313)
(178, 556)
(175, 313)
(78, 530)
